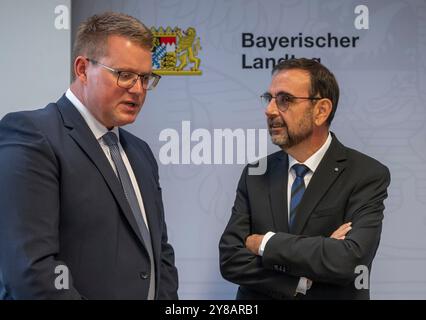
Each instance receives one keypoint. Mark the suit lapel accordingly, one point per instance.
(278, 177)
(81, 134)
(147, 186)
(329, 169)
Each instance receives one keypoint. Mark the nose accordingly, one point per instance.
(271, 110)
(137, 87)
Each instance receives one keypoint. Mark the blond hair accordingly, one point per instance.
(92, 35)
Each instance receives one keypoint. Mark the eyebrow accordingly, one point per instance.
(127, 70)
(281, 93)
(284, 93)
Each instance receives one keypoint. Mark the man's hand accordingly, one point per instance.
(341, 232)
(253, 242)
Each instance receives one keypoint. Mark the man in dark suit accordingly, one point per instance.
(312, 222)
(81, 207)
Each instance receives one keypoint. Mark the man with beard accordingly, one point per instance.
(305, 228)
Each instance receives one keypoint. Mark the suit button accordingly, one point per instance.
(143, 275)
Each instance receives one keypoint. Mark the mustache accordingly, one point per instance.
(276, 122)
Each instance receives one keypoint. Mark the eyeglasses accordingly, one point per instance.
(282, 99)
(127, 79)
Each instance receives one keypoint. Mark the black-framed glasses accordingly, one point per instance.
(127, 79)
(282, 99)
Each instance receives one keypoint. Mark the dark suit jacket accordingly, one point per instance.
(347, 186)
(62, 204)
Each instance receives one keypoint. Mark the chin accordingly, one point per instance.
(279, 140)
(127, 118)
(126, 122)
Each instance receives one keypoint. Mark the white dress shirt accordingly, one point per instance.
(312, 163)
(98, 131)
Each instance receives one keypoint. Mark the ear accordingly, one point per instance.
(322, 111)
(80, 66)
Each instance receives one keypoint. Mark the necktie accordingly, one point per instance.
(111, 140)
(297, 190)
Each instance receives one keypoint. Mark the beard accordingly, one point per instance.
(284, 137)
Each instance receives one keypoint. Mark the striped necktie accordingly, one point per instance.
(297, 190)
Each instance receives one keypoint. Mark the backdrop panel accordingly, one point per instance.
(381, 68)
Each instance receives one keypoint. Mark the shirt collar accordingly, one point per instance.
(313, 161)
(95, 126)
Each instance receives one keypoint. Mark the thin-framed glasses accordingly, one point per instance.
(127, 79)
(282, 99)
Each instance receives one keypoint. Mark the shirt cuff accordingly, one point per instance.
(265, 240)
(303, 286)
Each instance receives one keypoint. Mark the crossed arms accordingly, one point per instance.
(324, 258)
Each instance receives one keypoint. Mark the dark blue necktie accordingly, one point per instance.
(111, 141)
(297, 190)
